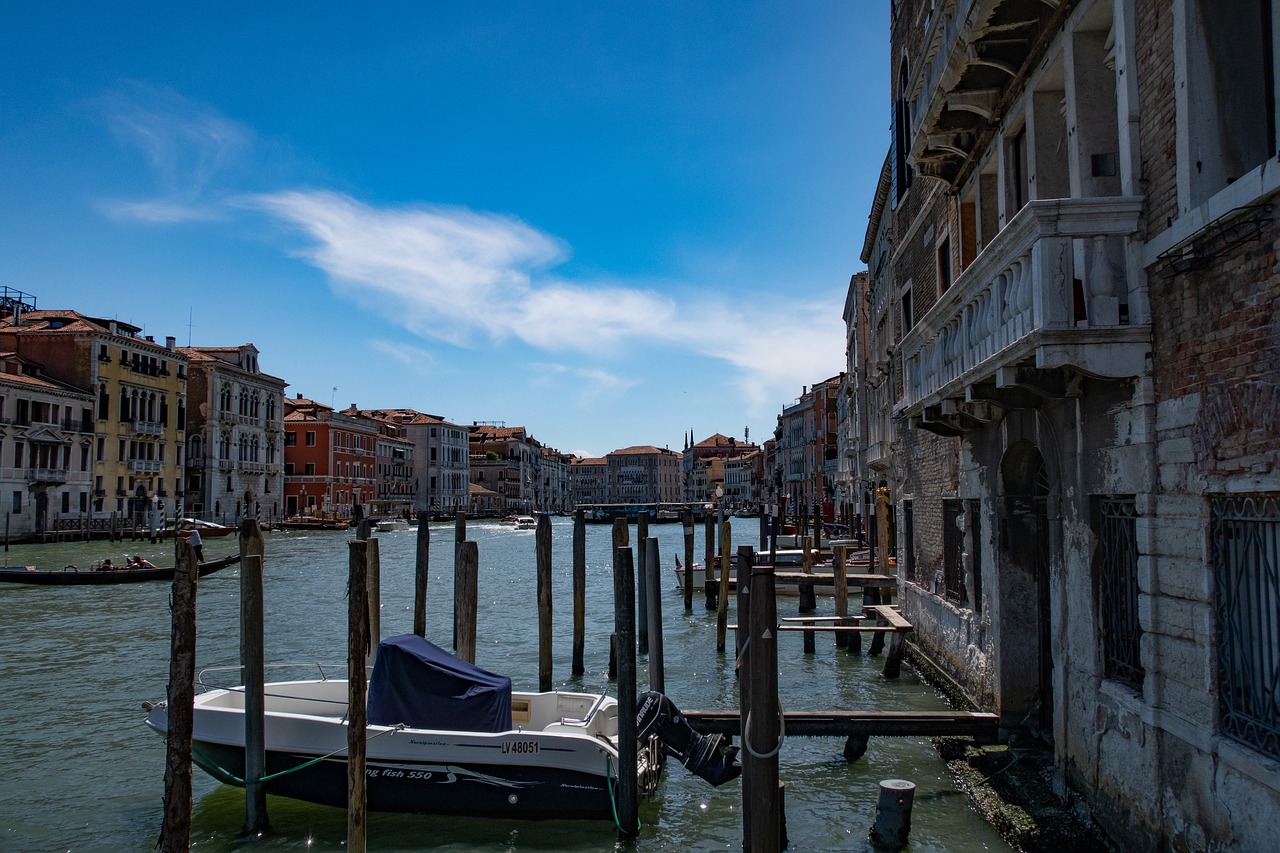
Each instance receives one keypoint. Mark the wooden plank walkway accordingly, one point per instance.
(982, 727)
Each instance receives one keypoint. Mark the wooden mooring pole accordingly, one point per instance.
(459, 536)
(421, 572)
(657, 675)
(709, 587)
(579, 590)
(542, 547)
(761, 730)
(642, 584)
(466, 600)
(175, 832)
(357, 683)
(722, 612)
(841, 591)
(627, 791)
(619, 541)
(688, 560)
(253, 669)
(373, 585)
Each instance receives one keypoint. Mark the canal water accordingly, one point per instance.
(79, 770)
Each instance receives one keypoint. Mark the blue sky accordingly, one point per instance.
(612, 223)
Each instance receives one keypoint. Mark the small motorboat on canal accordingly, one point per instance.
(446, 737)
(98, 575)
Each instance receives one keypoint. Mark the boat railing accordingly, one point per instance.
(324, 670)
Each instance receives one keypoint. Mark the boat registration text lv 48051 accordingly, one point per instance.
(520, 747)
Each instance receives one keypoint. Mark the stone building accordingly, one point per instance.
(46, 452)
(1070, 373)
(140, 388)
(330, 460)
(643, 474)
(235, 436)
(507, 460)
(590, 481)
(439, 463)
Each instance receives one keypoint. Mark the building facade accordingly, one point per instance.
(46, 452)
(1069, 371)
(330, 460)
(235, 437)
(643, 474)
(140, 412)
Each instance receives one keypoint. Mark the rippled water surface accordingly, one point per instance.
(79, 770)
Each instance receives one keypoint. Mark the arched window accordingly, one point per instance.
(224, 398)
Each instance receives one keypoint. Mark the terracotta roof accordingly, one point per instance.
(642, 449)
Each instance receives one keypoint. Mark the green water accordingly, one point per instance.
(79, 770)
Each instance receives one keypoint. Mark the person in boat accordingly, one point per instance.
(193, 536)
(107, 566)
(140, 562)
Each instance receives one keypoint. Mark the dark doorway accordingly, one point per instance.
(1026, 625)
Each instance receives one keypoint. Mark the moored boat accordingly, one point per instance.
(76, 576)
(446, 737)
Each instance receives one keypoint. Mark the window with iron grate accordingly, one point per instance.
(1116, 581)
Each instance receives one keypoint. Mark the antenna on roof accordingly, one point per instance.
(190, 315)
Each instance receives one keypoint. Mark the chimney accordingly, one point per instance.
(299, 395)
(151, 339)
(112, 328)
(170, 342)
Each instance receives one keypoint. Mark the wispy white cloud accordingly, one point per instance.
(159, 211)
(186, 144)
(414, 358)
(471, 278)
(591, 386)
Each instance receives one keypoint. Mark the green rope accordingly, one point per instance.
(613, 800)
(226, 777)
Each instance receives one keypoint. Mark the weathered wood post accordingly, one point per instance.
(373, 585)
(744, 650)
(817, 526)
(459, 536)
(709, 586)
(642, 583)
(357, 684)
(761, 728)
(688, 559)
(175, 832)
(657, 675)
(893, 813)
(115, 527)
(421, 572)
(579, 589)
(722, 612)
(542, 547)
(624, 615)
(808, 594)
(253, 668)
(764, 531)
(841, 579)
(466, 601)
(619, 541)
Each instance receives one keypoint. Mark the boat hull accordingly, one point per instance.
(473, 789)
(556, 764)
(91, 577)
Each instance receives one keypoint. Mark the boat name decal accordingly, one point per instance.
(443, 774)
(520, 747)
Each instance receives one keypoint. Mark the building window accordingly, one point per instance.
(909, 538)
(311, 438)
(1245, 556)
(1116, 579)
(953, 550)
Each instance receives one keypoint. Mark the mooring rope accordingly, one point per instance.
(613, 800)
(227, 777)
(782, 735)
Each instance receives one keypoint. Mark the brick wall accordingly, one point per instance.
(1154, 40)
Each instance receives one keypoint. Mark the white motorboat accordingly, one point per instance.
(391, 525)
(526, 522)
(518, 755)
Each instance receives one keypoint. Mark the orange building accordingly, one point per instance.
(330, 460)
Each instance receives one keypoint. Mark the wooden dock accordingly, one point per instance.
(979, 726)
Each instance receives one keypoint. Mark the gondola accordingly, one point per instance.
(75, 576)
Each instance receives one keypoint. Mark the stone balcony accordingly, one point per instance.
(148, 427)
(1055, 293)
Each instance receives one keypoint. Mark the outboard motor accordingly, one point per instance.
(713, 757)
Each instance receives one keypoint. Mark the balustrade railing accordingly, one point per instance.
(1059, 266)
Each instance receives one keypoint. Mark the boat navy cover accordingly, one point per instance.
(421, 685)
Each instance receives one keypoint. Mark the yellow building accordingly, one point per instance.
(140, 390)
